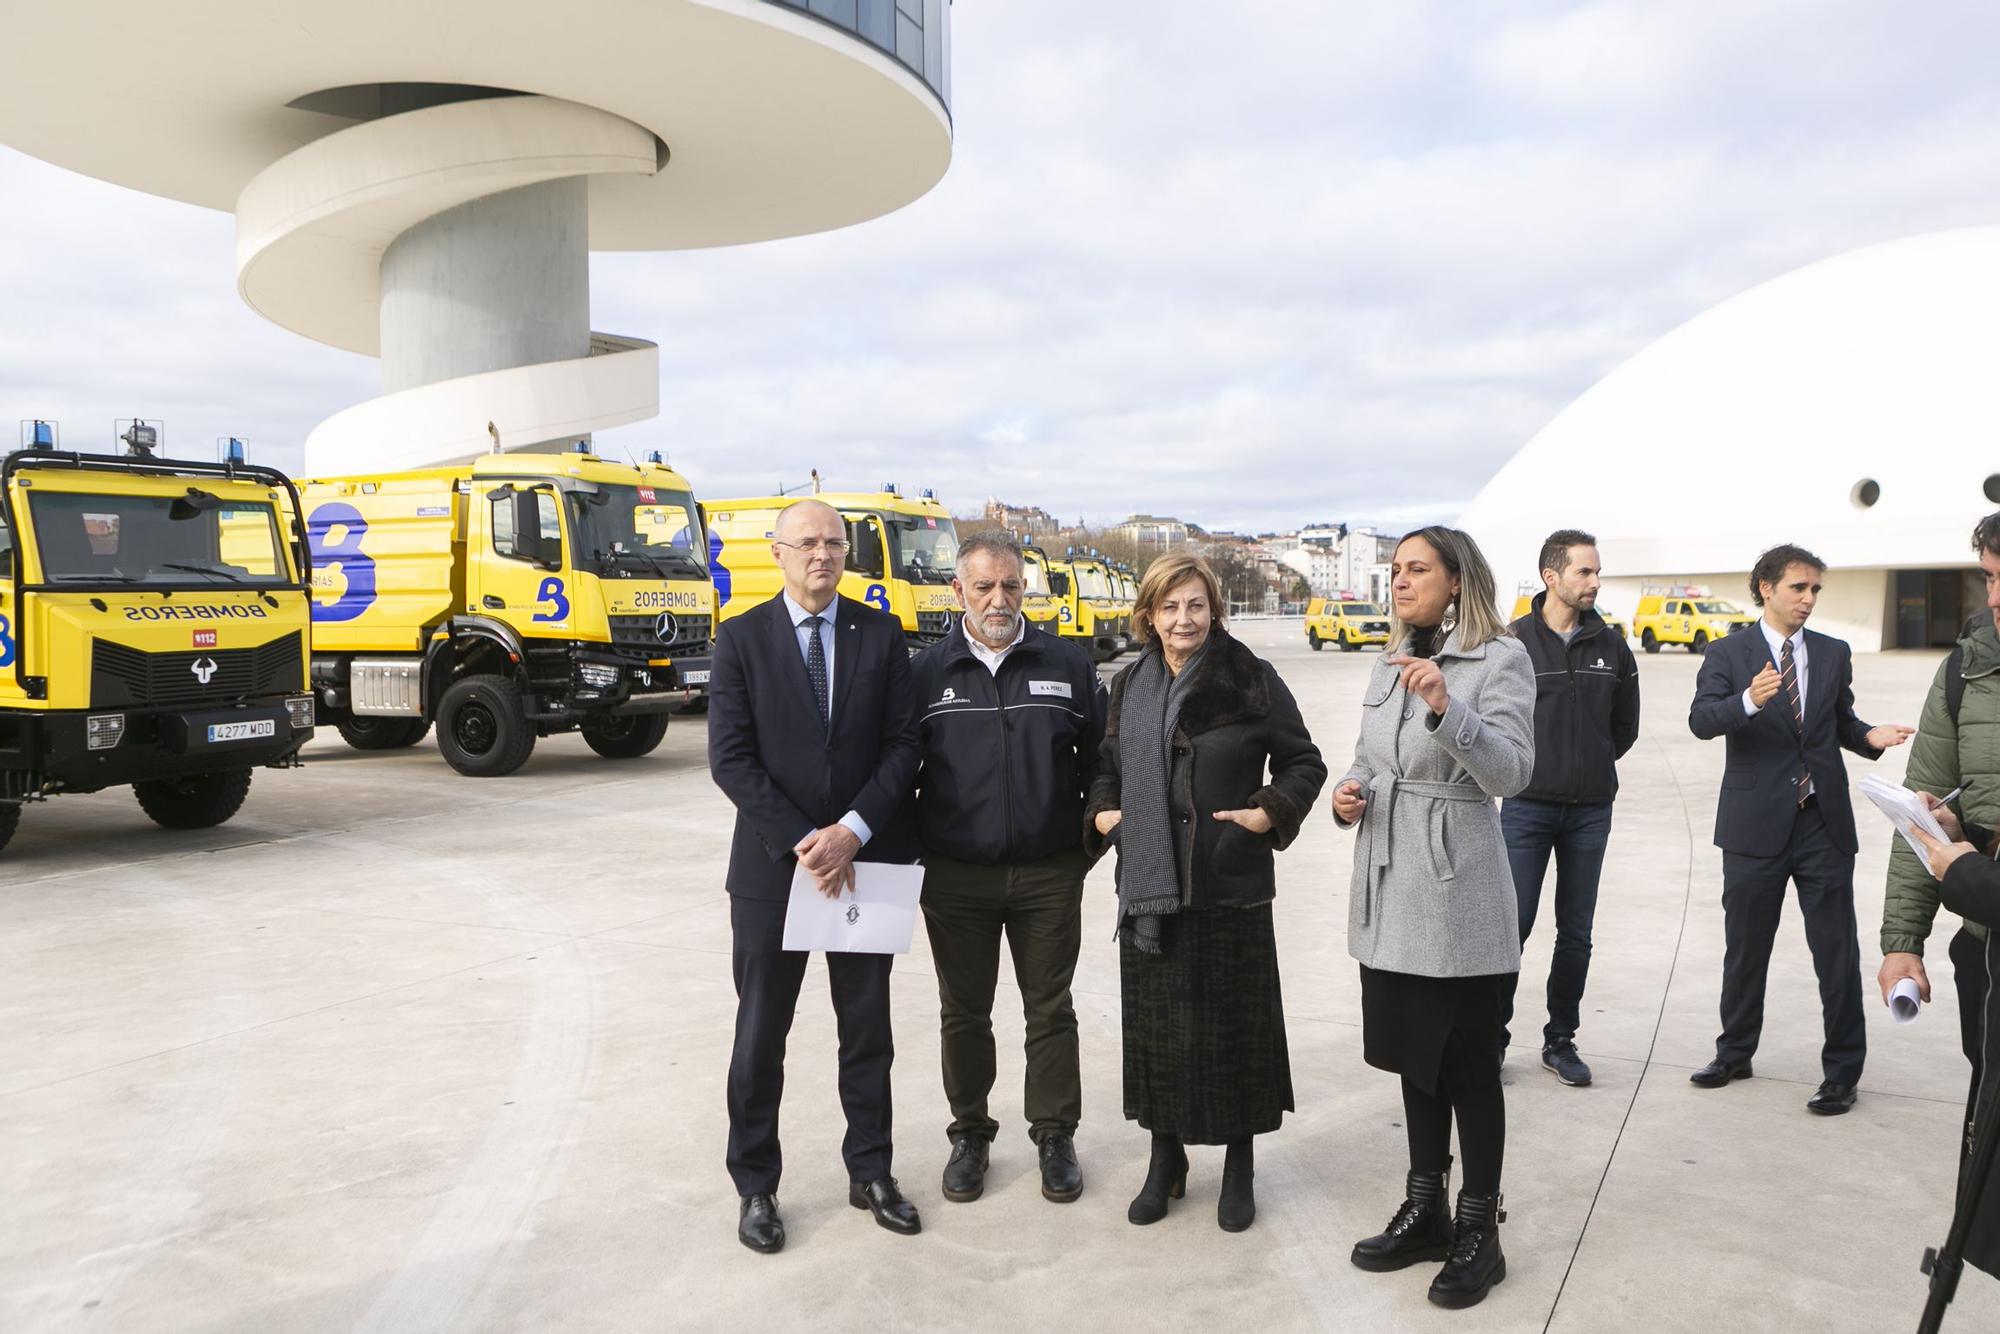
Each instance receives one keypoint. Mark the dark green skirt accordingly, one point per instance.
(1205, 1054)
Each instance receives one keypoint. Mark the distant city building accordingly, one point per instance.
(1148, 530)
(1028, 521)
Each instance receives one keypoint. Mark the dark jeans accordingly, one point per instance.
(1753, 897)
(768, 978)
(1039, 907)
(1576, 833)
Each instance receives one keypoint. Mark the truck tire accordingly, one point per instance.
(1312, 637)
(625, 738)
(1700, 645)
(1349, 646)
(200, 802)
(483, 731)
(1648, 642)
(365, 732)
(10, 820)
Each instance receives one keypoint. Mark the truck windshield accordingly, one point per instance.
(157, 540)
(638, 532)
(1091, 582)
(926, 547)
(1034, 579)
(1360, 609)
(6, 548)
(1716, 609)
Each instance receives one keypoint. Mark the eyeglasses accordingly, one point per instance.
(812, 546)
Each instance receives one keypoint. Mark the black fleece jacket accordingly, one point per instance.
(1586, 707)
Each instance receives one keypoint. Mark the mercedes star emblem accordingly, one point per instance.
(667, 628)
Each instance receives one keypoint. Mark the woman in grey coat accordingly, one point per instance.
(1447, 726)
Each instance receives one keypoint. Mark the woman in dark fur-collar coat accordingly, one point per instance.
(1182, 794)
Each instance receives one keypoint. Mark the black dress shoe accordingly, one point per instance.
(1832, 1099)
(884, 1199)
(1062, 1179)
(758, 1225)
(1719, 1072)
(965, 1172)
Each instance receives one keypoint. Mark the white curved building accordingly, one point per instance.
(425, 182)
(1851, 406)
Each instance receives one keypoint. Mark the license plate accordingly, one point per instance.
(694, 678)
(242, 731)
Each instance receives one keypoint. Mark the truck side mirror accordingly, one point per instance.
(864, 548)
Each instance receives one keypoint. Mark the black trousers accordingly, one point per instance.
(1753, 897)
(768, 978)
(1039, 905)
(1968, 973)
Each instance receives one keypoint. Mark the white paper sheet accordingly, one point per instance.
(878, 917)
(1905, 1001)
(1906, 810)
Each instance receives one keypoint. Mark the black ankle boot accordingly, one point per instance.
(1166, 1178)
(1236, 1209)
(1421, 1229)
(1475, 1263)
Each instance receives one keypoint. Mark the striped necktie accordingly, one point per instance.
(1788, 669)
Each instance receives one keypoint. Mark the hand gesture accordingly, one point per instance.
(1107, 821)
(1348, 803)
(828, 856)
(1899, 965)
(1939, 856)
(1424, 679)
(1764, 685)
(1888, 735)
(1254, 819)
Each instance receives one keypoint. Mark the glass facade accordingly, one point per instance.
(916, 32)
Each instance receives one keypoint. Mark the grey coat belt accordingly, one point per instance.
(1378, 829)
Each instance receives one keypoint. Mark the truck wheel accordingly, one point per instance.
(1312, 637)
(1349, 646)
(1648, 642)
(200, 802)
(10, 820)
(483, 731)
(371, 733)
(625, 738)
(1700, 645)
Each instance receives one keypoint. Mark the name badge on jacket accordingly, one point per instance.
(1060, 688)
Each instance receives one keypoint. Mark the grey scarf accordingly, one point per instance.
(1150, 876)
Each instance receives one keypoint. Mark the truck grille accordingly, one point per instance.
(122, 677)
(932, 625)
(639, 636)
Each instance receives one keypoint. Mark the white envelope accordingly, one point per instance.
(878, 917)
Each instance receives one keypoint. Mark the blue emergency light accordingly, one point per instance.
(42, 436)
(234, 451)
(657, 457)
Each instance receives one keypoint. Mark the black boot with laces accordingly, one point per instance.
(1420, 1231)
(1475, 1263)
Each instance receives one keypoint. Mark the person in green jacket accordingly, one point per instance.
(1952, 749)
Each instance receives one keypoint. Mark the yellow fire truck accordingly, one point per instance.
(1039, 602)
(1085, 610)
(901, 555)
(153, 624)
(507, 599)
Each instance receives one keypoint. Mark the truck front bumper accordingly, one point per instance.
(150, 744)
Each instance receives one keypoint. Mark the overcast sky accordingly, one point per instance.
(1254, 265)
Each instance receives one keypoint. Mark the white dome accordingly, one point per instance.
(1755, 423)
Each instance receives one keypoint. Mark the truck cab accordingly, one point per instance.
(1348, 622)
(902, 553)
(1039, 603)
(153, 624)
(508, 599)
(1692, 617)
(1085, 608)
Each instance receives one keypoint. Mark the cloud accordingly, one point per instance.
(1254, 265)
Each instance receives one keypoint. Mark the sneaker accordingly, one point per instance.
(1561, 1058)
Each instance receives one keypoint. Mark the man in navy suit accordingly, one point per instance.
(812, 735)
(1784, 697)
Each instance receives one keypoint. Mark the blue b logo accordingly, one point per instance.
(551, 591)
(718, 571)
(6, 642)
(877, 597)
(357, 570)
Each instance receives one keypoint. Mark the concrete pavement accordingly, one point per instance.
(398, 1050)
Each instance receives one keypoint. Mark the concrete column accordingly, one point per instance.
(500, 282)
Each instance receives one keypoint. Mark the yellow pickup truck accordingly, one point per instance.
(1692, 619)
(1346, 622)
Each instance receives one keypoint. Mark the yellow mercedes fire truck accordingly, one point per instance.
(901, 555)
(153, 623)
(1085, 610)
(1039, 603)
(507, 599)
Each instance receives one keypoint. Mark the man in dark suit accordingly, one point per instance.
(1784, 697)
(812, 735)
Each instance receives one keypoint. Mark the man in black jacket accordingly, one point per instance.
(811, 736)
(1010, 721)
(1586, 718)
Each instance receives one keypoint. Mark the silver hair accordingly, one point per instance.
(993, 543)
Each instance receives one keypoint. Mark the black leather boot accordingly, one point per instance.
(1475, 1263)
(1236, 1209)
(1166, 1178)
(1420, 1231)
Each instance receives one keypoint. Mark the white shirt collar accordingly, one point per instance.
(990, 656)
(1777, 641)
(798, 613)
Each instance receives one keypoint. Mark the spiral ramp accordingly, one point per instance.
(313, 230)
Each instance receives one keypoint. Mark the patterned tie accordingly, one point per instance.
(1788, 669)
(816, 666)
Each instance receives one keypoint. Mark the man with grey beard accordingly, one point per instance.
(1010, 719)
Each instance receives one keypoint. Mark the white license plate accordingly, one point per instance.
(242, 731)
(694, 678)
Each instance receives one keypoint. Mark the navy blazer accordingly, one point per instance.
(786, 773)
(1757, 805)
